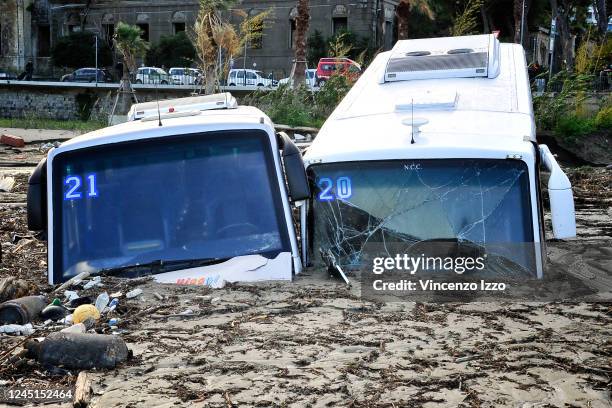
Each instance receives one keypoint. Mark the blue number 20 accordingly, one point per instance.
(344, 189)
(74, 182)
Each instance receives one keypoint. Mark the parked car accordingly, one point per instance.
(87, 75)
(185, 76)
(330, 66)
(310, 78)
(152, 75)
(253, 78)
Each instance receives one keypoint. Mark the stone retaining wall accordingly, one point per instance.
(67, 101)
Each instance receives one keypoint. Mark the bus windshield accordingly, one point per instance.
(481, 202)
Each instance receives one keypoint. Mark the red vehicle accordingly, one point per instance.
(330, 66)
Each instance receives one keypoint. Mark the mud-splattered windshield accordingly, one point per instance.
(483, 203)
(211, 195)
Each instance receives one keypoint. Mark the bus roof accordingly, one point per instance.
(470, 116)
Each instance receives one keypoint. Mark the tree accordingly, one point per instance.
(130, 44)
(466, 22)
(566, 12)
(602, 16)
(316, 48)
(212, 37)
(302, 20)
(172, 51)
(405, 9)
(78, 50)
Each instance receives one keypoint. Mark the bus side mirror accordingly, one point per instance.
(295, 172)
(560, 196)
(37, 197)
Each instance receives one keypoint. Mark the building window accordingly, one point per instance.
(44, 40)
(145, 31)
(292, 33)
(178, 27)
(108, 31)
(339, 24)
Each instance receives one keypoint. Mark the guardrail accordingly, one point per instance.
(115, 85)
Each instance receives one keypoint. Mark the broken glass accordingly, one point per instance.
(480, 204)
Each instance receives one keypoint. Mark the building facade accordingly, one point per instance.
(29, 28)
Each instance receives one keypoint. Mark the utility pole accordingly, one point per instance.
(522, 22)
(244, 64)
(96, 37)
(551, 46)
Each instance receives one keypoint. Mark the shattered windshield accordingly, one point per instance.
(481, 202)
(212, 195)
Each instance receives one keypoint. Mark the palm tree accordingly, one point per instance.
(129, 43)
(404, 10)
(302, 20)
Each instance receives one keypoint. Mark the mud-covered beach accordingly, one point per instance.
(316, 342)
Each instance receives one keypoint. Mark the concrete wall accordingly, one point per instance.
(20, 99)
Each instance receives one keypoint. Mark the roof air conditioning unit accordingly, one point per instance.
(449, 57)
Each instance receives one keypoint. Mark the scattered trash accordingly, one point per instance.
(114, 321)
(79, 350)
(116, 295)
(54, 312)
(76, 302)
(75, 280)
(84, 312)
(75, 328)
(17, 329)
(102, 301)
(133, 293)
(113, 304)
(97, 280)
(68, 320)
(22, 310)
(158, 296)
(215, 300)
(6, 184)
(71, 295)
(186, 312)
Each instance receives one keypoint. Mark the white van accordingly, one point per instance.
(248, 77)
(194, 190)
(435, 142)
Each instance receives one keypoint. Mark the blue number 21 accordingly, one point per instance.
(74, 183)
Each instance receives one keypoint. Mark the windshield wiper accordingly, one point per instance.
(158, 266)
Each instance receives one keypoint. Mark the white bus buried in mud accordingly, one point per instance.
(435, 144)
(193, 190)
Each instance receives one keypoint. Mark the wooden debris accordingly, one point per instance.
(82, 392)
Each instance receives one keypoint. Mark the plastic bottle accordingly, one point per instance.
(133, 293)
(79, 350)
(22, 310)
(113, 304)
(102, 301)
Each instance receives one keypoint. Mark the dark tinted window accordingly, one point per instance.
(210, 195)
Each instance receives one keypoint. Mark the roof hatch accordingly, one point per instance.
(448, 57)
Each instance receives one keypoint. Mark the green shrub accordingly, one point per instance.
(572, 127)
(603, 119)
